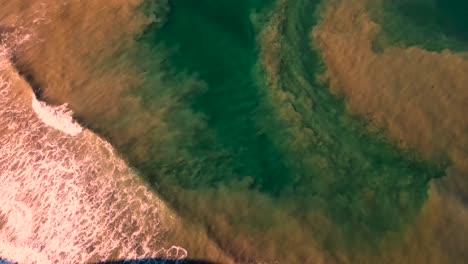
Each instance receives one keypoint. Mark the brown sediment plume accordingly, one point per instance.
(84, 53)
(438, 236)
(267, 235)
(419, 98)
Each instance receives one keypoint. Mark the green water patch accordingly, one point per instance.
(215, 40)
(321, 161)
(366, 185)
(430, 24)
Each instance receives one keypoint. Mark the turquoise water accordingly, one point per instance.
(431, 24)
(256, 164)
(218, 45)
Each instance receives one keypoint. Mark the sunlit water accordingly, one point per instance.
(276, 131)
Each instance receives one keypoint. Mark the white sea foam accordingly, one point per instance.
(58, 117)
(67, 197)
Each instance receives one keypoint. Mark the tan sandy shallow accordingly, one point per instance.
(420, 100)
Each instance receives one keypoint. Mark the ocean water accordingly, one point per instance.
(434, 25)
(67, 197)
(254, 131)
(280, 135)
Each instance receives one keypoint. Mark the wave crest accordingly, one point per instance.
(59, 117)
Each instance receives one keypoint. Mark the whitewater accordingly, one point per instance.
(67, 197)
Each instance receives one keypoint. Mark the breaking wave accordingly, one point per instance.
(58, 117)
(66, 196)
